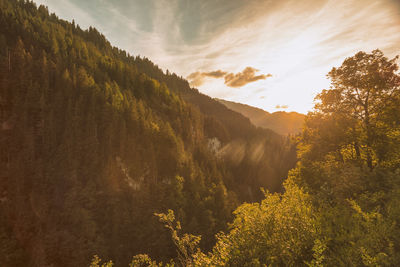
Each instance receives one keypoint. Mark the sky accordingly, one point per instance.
(270, 54)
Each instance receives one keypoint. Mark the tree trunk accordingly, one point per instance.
(369, 135)
(357, 149)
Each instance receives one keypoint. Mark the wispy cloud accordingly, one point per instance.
(298, 41)
(281, 106)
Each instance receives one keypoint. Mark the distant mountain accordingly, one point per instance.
(281, 122)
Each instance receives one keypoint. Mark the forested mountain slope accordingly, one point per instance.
(93, 141)
(341, 204)
(281, 122)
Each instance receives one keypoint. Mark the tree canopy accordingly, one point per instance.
(341, 205)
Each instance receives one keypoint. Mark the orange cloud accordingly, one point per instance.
(215, 74)
(281, 106)
(242, 78)
(232, 80)
(196, 78)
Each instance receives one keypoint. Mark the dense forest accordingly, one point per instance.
(341, 204)
(103, 155)
(94, 141)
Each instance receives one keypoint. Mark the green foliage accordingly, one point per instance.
(278, 231)
(356, 120)
(341, 205)
(187, 244)
(107, 139)
(93, 141)
(349, 162)
(318, 256)
(143, 260)
(96, 261)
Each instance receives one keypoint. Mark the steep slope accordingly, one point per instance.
(280, 122)
(93, 141)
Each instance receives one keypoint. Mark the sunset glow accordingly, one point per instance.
(293, 44)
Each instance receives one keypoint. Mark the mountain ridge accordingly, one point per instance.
(281, 122)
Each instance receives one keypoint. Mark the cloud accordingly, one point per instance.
(281, 106)
(232, 80)
(301, 40)
(196, 78)
(242, 78)
(215, 74)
